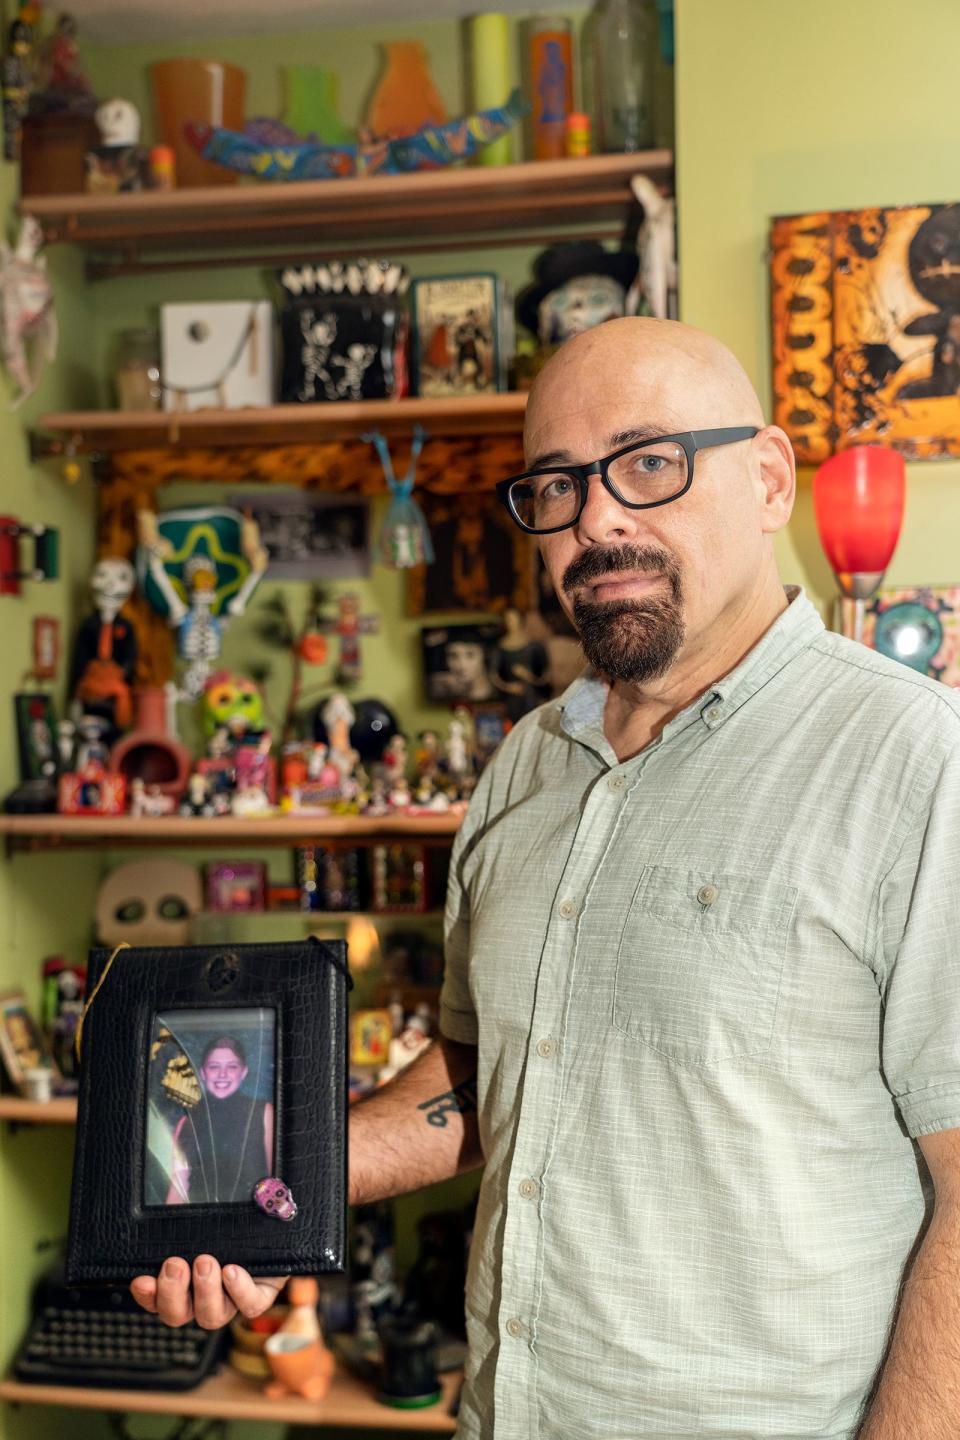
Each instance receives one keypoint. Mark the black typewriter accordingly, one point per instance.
(100, 1337)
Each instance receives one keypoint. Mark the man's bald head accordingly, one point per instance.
(677, 377)
(648, 583)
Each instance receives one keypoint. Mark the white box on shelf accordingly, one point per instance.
(222, 354)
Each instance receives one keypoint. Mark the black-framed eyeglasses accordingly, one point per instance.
(639, 476)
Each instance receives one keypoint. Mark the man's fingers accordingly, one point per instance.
(211, 1306)
(251, 1296)
(144, 1291)
(173, 1303)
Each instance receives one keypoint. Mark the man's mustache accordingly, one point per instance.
(602, 560)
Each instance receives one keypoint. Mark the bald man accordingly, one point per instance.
(701, 1012)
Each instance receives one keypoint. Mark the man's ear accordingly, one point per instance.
(778, 477)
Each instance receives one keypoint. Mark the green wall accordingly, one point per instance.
(43, 902)
(783, 109)
(780, 108)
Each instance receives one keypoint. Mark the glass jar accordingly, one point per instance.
(623, 35)
(137, 375)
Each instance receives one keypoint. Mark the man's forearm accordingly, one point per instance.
(419, 1128)
(919, 1390)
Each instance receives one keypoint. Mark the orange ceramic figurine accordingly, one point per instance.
(299, 1361)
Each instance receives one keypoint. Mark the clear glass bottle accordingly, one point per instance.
(137, 376)
(623, 37)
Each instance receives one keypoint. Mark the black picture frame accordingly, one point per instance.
(120, 1223)
(36, 735)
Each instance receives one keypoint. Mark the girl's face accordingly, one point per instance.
(223, 1072)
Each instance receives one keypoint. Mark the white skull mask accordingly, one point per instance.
(148, 902)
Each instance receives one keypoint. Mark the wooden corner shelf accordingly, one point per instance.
(72, 832)
(440, 209)
(350, 1403)
(38, 1112)
(110, 431)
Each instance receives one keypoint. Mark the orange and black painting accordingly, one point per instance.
(866, 330)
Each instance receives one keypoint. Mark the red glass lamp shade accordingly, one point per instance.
(858, 500)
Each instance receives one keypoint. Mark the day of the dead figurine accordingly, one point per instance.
(199, 567)
(105, 653)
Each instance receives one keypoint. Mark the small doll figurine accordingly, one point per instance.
(457, 757)
(394, 758)
(106, 649)
(426, 757)
(338, 715)
(26, 309)
(197, 801)
(92, 752)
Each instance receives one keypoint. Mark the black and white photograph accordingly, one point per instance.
(311, 536)
(210, 1108)
(457, 663)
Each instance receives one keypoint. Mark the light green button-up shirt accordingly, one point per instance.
(716, 993)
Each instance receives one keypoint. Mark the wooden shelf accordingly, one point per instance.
(38, 1112)
(315, 219)
(228, 1396)
(68, 832)
(109, 431)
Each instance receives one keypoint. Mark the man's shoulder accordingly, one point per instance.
(892, 682)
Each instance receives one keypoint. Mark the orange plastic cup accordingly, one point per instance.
(206, 91)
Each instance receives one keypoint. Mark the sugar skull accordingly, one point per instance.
(274, 1198)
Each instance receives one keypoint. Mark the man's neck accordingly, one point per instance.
(636, 713)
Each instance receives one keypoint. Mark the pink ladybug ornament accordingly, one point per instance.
(274, 1198)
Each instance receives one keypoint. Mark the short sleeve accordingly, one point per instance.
(920, 963)
(458, 1018)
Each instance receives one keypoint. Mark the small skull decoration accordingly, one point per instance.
(274, 1198)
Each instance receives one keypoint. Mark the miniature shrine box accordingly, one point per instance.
(219, 355)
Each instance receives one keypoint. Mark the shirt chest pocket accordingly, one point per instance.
(700, 963)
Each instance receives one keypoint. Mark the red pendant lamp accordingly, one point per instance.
(858, 499)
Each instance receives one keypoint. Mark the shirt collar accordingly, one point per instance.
(582, 704)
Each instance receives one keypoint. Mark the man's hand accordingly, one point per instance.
(215, 1297)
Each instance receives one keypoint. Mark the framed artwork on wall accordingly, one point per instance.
(919, 626)
(483, 561)
(866, 330)
(458, 663)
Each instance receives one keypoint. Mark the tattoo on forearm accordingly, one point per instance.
(462, 1098)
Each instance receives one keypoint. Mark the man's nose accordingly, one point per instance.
(603, 517)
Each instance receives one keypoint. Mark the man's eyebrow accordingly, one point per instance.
(616, 441)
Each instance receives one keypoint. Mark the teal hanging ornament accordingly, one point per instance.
(405, 536)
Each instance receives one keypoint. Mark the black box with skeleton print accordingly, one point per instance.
(343, 332)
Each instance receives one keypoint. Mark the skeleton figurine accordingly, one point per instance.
(355, 365)
(26, 309)
(319, 333)
(200, 630)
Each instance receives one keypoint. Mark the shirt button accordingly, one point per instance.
(616, 782)
(567, 908)
(544, 1049)
(514, 1328)
(707, 894)
(713, 713)
(528, 1189)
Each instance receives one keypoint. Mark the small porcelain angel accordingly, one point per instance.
(27, 312)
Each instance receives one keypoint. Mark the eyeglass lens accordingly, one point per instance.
(641, 477)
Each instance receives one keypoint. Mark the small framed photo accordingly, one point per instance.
(458, 663)
(237, 885)
(36, 736)
(22, 1044)
(212, 1110)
